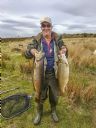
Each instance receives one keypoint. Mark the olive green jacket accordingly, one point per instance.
(36, 43)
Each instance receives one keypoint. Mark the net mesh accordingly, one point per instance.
(14, 105)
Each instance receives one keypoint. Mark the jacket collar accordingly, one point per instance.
(55, 36)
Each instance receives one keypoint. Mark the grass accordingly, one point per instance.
(77, 113)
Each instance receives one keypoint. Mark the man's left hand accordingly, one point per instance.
(63, 50)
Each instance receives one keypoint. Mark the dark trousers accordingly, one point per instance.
(50, 85)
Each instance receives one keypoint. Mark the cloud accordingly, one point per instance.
(22, 17)
(77, 7)
(30, 17)
(19, 23)
(18, 26)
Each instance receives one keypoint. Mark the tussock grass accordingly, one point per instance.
(5, 56)
(89, 93)
(27, 69)
(81, 55)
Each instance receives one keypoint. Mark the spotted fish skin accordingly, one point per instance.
(63, 73)
(38, 73)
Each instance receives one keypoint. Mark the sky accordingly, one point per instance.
(22, 17)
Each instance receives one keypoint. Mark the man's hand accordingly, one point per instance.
(34, 51)
(63, 50)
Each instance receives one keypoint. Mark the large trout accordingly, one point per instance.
(38, 77)
(62, 73)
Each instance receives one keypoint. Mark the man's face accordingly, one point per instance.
(46, 28)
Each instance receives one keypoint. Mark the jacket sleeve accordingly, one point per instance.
(33, 45)
(60, 43)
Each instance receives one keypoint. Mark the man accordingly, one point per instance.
(52, 45)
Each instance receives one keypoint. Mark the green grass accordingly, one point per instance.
(75, 115)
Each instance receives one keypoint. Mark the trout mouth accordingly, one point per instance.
(62, 59)
(62, 62)
(39, 56)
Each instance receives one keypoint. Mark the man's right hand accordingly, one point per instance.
(34, 51)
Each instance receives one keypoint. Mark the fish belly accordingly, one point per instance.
(38, 76)
(63, 77)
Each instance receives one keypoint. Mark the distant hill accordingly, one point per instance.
(78, 35)
(13, 39)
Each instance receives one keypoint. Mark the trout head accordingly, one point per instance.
(39, 56)
(62, 59)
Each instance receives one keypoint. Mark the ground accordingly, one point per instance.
(77, 109)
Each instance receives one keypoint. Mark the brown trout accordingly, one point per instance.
(62, 73)
(38, 76)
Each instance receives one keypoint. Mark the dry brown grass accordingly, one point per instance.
(73, 92)
(3, 60)
(77, 94)
(94, 117)
(16, 50)
(88, 93)
(5, 56)
(27, 68)
(91, 45)
(81, 51)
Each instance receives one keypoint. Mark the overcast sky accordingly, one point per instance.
(22, 17)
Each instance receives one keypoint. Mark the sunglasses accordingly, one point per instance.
(46, 25)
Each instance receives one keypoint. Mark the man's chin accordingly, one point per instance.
(46, 33)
